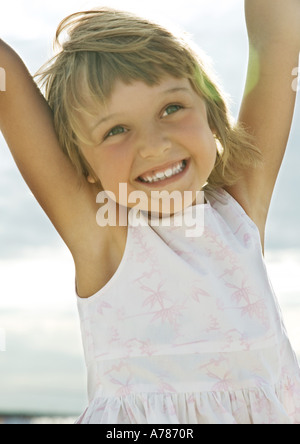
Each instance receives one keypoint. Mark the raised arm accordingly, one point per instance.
(26, 123)
(269, 99)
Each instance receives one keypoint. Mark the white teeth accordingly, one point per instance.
(166, 174)
(169, 172)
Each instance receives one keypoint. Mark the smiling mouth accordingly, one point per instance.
(161, 176)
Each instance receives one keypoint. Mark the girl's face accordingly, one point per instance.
(151, 138)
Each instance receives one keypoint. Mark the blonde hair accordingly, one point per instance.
(106, 45)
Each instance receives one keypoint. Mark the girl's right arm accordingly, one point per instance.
(27, 125)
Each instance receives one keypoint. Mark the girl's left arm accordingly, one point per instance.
(269, 98)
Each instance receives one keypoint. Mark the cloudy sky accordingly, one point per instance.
(42, 366)
(33, 19)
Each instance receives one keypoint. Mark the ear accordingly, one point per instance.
(90, 179)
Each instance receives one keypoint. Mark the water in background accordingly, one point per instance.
(42, 370)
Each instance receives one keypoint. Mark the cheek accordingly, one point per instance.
(110, 175)
(117, 164)
(109, 166)
(212, 151)
(204, 147)
(211, 156)
(205, 157)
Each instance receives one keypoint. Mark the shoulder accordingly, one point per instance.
(252, 207)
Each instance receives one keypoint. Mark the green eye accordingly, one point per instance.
(116, 130)
(171, 109)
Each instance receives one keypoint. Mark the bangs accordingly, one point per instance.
(95, 74)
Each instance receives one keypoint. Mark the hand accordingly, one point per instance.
(273, 23)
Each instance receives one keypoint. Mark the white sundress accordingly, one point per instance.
(188, 330)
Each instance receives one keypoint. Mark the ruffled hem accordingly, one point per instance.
(245, 406)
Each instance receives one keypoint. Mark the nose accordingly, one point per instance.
(153, 142)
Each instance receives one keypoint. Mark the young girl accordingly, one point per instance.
(176, 328)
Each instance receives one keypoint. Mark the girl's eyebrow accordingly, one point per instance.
(104, 119)
(177, 89)
(111, 116)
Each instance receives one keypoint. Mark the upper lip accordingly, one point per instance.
(161, 168)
